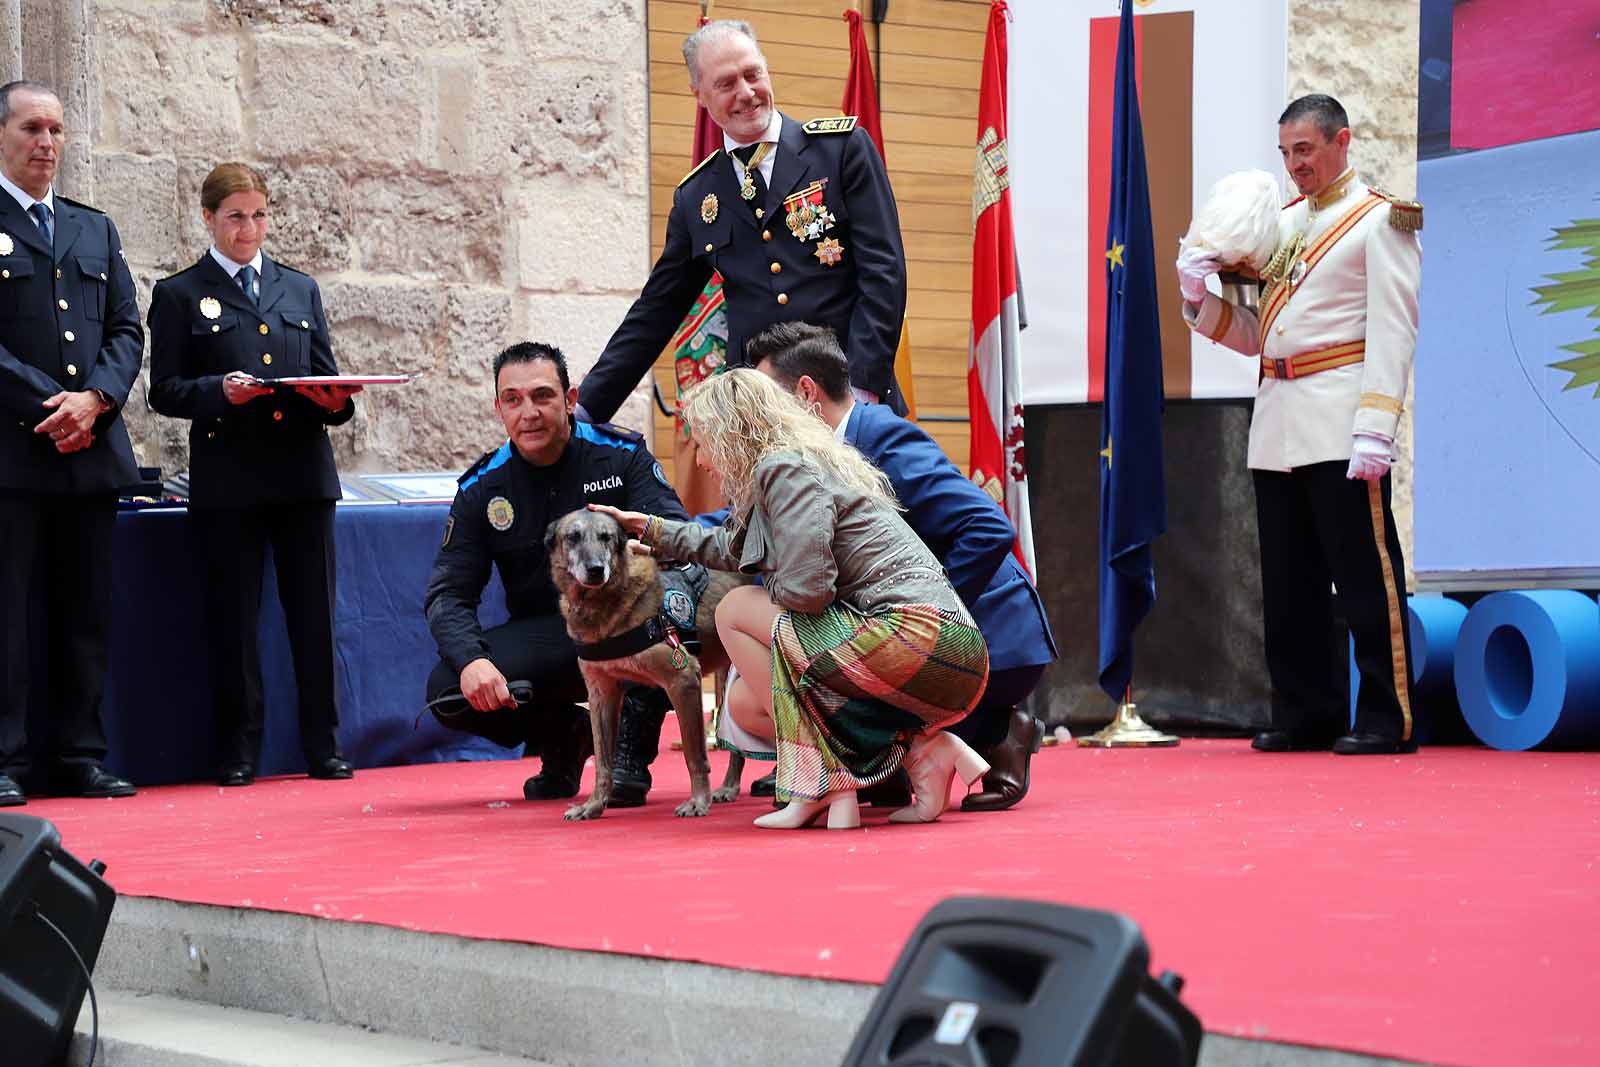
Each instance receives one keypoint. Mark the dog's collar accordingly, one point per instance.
(652, 631)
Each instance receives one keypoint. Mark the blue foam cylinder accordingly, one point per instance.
(1528, 669)
(1435, 623)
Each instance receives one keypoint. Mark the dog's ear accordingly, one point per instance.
(550, 535)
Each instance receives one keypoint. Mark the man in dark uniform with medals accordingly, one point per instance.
(798, 218)
(549, 465)
(70, 349)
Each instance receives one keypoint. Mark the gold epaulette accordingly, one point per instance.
(838, 124)
(700, 166)
(1404, 215)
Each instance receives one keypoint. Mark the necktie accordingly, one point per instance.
(41, 219)
(247, 281)
(750, 157)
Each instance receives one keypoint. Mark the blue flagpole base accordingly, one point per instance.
(1127, 730)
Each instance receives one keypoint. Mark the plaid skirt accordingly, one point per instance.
(849, 691)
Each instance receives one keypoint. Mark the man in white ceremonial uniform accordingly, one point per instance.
(1336, 330)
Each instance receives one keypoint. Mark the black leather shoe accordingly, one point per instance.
(565, 745)
(893, 792)
(93, 780)
(765, 786)
(1291, 741)
(1369, 744)
(11, 795)
(638, 741)
(1010, 765)
(237, 774)
(330, 768)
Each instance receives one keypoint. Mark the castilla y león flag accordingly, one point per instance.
(994, 381)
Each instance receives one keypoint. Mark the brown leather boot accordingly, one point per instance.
(1007, 780)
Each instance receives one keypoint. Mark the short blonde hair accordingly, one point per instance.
(226, 179)
(741, 416)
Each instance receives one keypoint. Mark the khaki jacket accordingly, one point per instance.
(814, 541)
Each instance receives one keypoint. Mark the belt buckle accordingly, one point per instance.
(1280, 368)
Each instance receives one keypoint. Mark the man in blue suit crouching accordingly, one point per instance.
(964, 527)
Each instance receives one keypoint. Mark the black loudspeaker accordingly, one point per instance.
(52, 909)
(1017, 983)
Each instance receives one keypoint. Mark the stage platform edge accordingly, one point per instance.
(552, 1005)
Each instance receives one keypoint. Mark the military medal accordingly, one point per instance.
(747, 187)
(829, 252)
(708, 209)
(805, 213)
(210, 308)
(501, 514)
(6, 247)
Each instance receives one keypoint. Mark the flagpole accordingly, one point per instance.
(1128, 730)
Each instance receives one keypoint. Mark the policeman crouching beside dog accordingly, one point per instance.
(519, 683)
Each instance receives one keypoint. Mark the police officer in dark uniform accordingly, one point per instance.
(70, 348)
(550, 465)
(799, 219)
(261, 467)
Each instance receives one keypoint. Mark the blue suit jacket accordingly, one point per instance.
(965, 528)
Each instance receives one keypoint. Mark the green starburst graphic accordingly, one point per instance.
(1573, 291)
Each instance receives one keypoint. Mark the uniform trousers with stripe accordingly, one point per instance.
(1322, 532)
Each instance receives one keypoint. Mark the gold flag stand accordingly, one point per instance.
(1127, 730)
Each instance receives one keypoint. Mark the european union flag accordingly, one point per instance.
(1133, 491)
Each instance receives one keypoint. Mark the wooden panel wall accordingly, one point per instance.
(931, 52)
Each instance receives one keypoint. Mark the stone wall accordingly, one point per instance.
(457, 175)
(1365, 53)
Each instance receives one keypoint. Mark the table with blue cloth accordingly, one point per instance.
(158, 709)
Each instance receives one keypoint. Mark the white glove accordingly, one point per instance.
(1369, 457)
(1194, 267)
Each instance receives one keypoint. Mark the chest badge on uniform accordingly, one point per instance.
(210, 308)
(6, 246)
(708, 209)
(805, 213)
(501, 514)
(829, 252)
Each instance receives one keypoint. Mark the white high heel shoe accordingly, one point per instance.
(843, 813)
(931, 763)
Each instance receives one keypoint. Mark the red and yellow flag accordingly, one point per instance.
(861, 100)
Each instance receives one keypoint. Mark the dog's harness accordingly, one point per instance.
(681, 589)
(651, 632)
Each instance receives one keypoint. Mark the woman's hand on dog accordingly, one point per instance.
(485, 687)
(632, 521)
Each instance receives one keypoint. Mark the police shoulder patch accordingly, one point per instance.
(449, 528)
(698, 167)
(661, 475)
(837, 124)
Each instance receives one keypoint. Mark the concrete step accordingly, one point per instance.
(461, 998)
(146, 1030)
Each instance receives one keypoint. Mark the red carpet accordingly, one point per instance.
(1440, 907)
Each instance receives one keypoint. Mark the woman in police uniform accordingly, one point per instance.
(261, 468)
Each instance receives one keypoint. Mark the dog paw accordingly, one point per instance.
(580, 812)
(691, 807)
(725, 795)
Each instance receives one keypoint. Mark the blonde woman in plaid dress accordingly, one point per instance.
(855, 650)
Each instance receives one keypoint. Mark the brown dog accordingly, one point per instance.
(608, 590)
